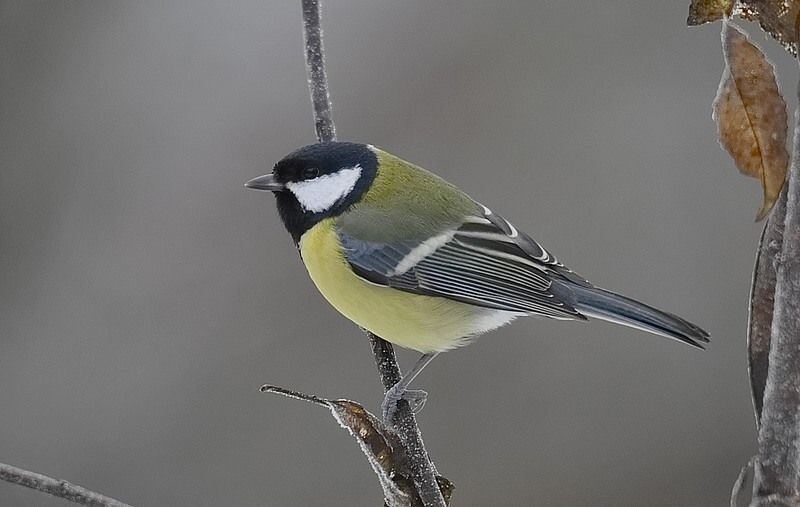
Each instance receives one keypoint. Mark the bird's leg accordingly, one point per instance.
(400, 391)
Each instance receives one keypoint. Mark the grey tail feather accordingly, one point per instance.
(606, 305)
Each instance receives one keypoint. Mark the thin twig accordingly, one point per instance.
(56, 487)
(746, 471)
(776, 471)
(405, 423)
(315, 67)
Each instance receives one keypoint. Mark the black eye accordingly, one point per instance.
(310, 173)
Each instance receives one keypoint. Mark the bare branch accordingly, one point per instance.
(56, 487)
(776, 471)
(315, 67)
(405, 424)
(422, 470)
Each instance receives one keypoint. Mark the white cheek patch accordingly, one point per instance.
(320, 193)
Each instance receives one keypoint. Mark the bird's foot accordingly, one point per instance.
(415, 398)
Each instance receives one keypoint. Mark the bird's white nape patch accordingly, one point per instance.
(321, 193)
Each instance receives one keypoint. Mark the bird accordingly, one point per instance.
(411, 258)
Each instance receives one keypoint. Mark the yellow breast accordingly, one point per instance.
(422, 323)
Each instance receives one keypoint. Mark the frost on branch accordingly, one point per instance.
(383, 448)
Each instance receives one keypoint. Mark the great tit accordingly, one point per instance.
(413, 259)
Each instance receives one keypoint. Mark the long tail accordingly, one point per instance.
(606, 305)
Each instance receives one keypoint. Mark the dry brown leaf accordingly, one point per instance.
(706, 11)
(751, 115)
(779, 18)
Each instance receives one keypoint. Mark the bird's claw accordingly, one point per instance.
(415, 397)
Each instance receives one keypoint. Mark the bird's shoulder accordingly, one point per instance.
(405, 202)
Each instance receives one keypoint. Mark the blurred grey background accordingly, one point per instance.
(145, 295)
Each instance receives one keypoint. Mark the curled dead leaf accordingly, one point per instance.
(751, 115)
(762, 303)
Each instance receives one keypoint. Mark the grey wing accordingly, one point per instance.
(485, 262)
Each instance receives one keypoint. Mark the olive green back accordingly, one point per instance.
(405, 202)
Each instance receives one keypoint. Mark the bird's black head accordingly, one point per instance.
(318, 181)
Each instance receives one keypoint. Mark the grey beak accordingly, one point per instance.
(266, 183)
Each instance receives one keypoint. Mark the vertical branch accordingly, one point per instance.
(762, 302)
(776, 471)
(315, 67)
(405, 423)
